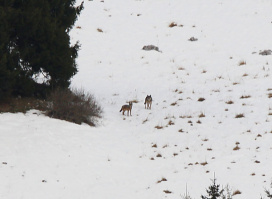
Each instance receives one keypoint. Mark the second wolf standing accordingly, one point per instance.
(127, 108)
(148, 102)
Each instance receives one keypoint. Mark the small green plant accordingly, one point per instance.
(213, 191)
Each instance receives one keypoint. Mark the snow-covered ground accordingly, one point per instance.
(130, 157)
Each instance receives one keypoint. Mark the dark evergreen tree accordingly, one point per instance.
(8, 57)
(213, 191)
(35, 40)
(268, 194)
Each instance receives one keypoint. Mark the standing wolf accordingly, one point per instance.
(127, 108)
(148, 102)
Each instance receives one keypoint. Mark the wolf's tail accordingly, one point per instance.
(120, 110)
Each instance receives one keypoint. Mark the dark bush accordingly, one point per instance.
(22, 104)
(213, 191)
(74, 106)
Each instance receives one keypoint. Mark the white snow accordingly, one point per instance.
(44, 158)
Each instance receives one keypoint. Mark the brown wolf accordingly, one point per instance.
(148, 102)
(127, 108)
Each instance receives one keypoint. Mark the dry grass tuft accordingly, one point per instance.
(204, 163)
(242, 63)
(158, 155)
(239, 115)
(154, 146)
(145, 120)
(245, 96)
(236, 148)
(181, 68)
(245, 75)
(237, 192)
(99, 30)
(173, 24)
(180, 131)
(167, 191)
(170, 122)
(162, 180)
(185, 116)
(14, 105)
(159, 127)
(201, 99)
(201, 115)
(229, 102)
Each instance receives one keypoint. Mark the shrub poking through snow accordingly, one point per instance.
(236, 148)
(268, 193)
(158, 127)
(14, 105)
(213, 191)
(236, 192)
(242, 63)
(162, 180)
(239, 115)
(167, 191)
(173, 24)
(151, 47)
(74, 106)
(99, 30)
(201, 115)
(201, 99)
(245, 96)
(265, 52)
(192, 39)
(229, 102)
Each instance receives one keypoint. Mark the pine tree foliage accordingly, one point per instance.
(213, 191)
(268, 194)
(34, 40)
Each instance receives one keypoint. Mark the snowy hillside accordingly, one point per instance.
(211, 112)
